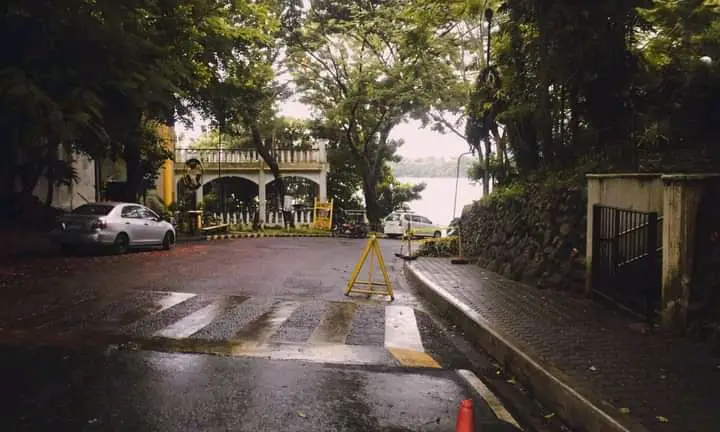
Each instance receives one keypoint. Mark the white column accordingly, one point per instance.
(199, 195)
(261, 194)
(323, 184)
(322, 151)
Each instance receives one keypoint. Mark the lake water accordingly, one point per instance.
(437, 198)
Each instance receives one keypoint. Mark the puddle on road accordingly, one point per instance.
(335, 326)
(266, 325)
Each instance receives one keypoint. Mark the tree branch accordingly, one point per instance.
(438, 118)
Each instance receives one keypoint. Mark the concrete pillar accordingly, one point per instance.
(167, 183)
(322, 151)
(682, 195)
(199, 193)
(323, 185)
(262, 199)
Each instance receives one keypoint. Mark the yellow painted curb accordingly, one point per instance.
(412, 358)
(262, 235)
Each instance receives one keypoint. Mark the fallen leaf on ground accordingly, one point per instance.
(662, 419)
(301, 414)
(624, 410)
(549, 416)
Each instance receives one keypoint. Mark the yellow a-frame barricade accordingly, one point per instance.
(372, 248)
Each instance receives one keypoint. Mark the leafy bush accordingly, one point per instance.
(439, 247)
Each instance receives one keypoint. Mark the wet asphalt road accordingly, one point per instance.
(125, 343)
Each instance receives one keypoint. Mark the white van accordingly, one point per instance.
(397, 223)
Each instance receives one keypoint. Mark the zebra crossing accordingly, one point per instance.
(343, 332)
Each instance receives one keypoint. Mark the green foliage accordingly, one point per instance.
(209, 202)
(211, 138)
(365, 68)
(548, 181)
(278, 132)
(92, 75)
(439, 247)
(633, 96)
(394, 195)
(510, 192)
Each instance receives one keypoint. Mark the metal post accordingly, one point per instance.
(653, 282)
(221, 198)
(457, 180)
(595, 263)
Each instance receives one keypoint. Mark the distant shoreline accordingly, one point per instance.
(431, 167)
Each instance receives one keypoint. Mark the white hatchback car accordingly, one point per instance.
(121, 226)
(398, 223)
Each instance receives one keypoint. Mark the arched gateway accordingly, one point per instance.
(247, 164)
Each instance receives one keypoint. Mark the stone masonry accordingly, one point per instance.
(537, 236)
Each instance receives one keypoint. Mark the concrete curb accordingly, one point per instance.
(237, 236)
(550, 387)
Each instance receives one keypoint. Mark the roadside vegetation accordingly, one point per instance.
(568, 87)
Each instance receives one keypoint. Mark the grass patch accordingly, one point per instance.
(542, 182)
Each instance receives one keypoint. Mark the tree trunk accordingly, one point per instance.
(371, 203)
(574, 123)
(269, 159)
(50, 192)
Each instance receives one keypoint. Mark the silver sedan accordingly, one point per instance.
(121, 226)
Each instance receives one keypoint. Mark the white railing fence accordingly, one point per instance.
(303, 217)
(246, 156)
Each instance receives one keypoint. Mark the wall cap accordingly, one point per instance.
(690, 177)
(622, 175)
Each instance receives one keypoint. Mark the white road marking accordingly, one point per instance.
(493, 402)
(192, 323)
(172, 299)
(401, 330)
(333, 354)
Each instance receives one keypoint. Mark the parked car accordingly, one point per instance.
(397, 223)
(116, 225)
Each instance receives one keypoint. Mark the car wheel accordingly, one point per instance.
(168, 241)
(437, 234)
(121, 244)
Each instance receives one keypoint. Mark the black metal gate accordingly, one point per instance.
(627, 257)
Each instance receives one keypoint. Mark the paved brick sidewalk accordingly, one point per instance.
(667, 384)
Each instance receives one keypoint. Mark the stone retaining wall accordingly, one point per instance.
(536, 235)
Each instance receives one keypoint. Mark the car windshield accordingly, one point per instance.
(94, 209)
(393, 217)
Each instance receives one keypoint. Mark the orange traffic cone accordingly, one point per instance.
(466, 417)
